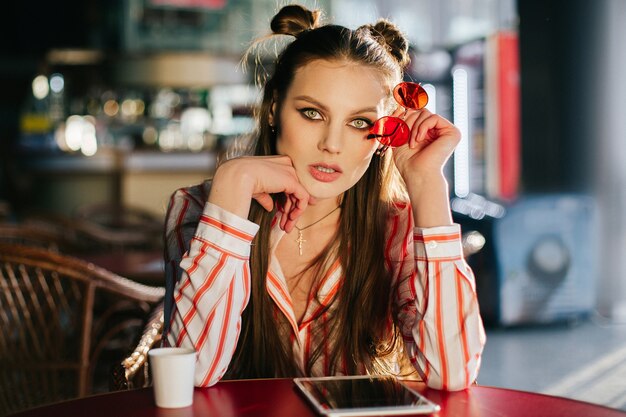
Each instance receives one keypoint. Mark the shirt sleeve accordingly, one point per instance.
(436, 304)
(213, 291)
(181, 221)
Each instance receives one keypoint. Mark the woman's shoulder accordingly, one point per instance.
(196, 194)
(186, 204)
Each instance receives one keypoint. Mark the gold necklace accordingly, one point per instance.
(300, 239)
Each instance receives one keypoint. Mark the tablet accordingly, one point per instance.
(366, 395)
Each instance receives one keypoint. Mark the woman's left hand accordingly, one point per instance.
(431, 143)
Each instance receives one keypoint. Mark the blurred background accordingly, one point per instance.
(118, 103)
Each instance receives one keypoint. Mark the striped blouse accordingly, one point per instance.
(208, 276)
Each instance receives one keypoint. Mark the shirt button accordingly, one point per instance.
(431, 245)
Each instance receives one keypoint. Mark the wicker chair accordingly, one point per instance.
(32, 235)
(64, 324)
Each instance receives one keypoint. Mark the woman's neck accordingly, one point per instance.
(320, 211)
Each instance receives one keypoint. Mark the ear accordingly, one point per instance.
(271, 118)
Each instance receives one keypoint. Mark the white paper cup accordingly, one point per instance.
(172, 376)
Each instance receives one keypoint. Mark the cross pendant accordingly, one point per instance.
(300, 241)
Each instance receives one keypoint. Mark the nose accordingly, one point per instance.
(332, 140)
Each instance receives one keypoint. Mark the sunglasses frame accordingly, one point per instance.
(419, 100)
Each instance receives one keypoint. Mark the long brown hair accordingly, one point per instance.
(361, 330)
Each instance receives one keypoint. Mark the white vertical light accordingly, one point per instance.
(460, 114)
(432, 97)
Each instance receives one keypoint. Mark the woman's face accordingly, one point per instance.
(324, 122)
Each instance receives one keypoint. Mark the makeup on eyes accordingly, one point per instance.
(308, 102)
(368, 123)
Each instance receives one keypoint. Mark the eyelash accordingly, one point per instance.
(368, 123)
(307, 110)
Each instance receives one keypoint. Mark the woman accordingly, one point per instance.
(326, 253)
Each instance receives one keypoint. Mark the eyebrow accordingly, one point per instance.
(323, 107)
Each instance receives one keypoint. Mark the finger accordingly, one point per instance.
(430, 128)
(298, 208)
(282, 159)
(421, 117)
(296, 212)
(285, 214)
(265, 200)
(294, 208)
(295, 190)
(399, 111)
(289, 220)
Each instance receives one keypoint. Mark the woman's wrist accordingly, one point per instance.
(231, 189)
(430, 199)
(423, 182)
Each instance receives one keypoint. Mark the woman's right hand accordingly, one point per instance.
(238, 181)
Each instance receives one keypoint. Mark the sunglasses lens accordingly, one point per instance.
(410, 95)
(390, 131)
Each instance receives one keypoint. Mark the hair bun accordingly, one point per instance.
(388, 35)
(294, 19)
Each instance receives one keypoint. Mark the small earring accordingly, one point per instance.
(273, 129)
(381, 151)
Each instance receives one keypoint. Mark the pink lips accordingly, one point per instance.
(322, 175)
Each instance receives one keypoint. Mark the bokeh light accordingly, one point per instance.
(57, 83)
(111, 108)
(40, 87)
(80, 134)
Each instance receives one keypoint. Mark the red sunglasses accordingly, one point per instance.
(393, 131)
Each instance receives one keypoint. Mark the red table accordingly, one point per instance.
(279, 398)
